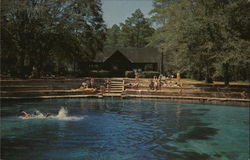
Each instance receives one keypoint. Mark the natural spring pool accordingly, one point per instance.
(123, 129)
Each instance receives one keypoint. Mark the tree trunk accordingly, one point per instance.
(226, 74)
(208, 78)
(200, 76)
(20, 66)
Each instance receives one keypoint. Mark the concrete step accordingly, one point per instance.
(114, 92)
(121, 88)
(30, 94)
(117, 84)
(40, 82)
(116, 87)
(209, 89)
(116, 80)
(112, 95)
(188, 90)
(54, 96)
(39, 88)
(199, 94)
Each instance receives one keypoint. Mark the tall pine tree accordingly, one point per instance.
(136, 30)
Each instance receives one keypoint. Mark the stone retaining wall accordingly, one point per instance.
(49, 88)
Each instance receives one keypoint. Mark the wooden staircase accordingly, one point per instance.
(116, 88)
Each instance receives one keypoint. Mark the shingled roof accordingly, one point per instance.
(135, 55)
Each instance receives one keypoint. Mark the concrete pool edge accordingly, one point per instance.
(182, 99)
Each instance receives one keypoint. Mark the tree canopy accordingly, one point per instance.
(49, 34)
(204, 39)
(134, 32)
(201, 39)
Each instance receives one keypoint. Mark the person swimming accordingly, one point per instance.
(47, 115)
(25, 114)
(61, 115)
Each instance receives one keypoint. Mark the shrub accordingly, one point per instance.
(130, 74)
(149, 74)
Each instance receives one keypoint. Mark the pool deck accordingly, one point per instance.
(200, 100)
(45, 89)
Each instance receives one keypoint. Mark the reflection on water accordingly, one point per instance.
(123, 129)
(198, 133)
(178, 114)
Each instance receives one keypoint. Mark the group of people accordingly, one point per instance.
(132, 85)
(88, 86)
(155, 83)
(106, 86)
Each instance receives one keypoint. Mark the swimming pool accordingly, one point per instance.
(126, 129)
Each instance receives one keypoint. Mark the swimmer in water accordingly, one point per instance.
(47, 115)
(25, 114)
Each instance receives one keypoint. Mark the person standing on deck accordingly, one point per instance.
(151, 84)
(155, 83)
(92, 81)
(108, 85)
(178, 76)
(159, 82)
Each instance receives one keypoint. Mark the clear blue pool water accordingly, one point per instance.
(124, 129)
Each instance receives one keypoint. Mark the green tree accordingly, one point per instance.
(201, 36)
(43, 34)
(113, 36)
(136, 30)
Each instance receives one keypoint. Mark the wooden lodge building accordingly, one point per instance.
(119, 60)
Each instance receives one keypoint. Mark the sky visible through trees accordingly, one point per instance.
(117, 11)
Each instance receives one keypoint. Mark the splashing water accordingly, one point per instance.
(62, 115)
